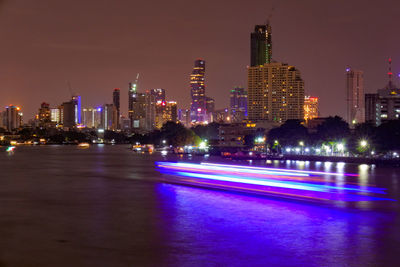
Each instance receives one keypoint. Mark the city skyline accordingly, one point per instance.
(36, 68)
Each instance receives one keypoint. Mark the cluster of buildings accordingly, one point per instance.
(275, 93)
(375, 108)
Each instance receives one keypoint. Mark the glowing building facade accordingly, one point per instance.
(198, 112)
(355, 96)
(261, 45)
(238, 104)
(275, 93)
(310, 108)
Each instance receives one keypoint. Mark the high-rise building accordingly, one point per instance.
(78, 109)
(165, 111)
(171, 111)
(138, 113)
(238, 107)
(55, 115)
(261, 45)
(198, 112)
(13, 117)
(385, 104)
(108, 117)
(116, 102)
(210, 108)
(69, 116)
(184, 117)
(310, 108)
(355, 96)
(275, 93)
(92, 117)
(44, 115)
(159, 94)
(132, 98)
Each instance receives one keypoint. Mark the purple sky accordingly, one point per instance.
(101, 45)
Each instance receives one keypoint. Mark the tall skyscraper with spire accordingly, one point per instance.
(355, 96)
(261, 45)
(132, 98)
(198, 112)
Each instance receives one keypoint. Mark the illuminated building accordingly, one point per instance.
(198, 105)
(261, 45)
(184, 117)
(78, 109)
(238, 108)
(159, 94)
(12, 117)
(44, 115)
(385, 104)
(55, 115)
(165, 111)
(116, 102)
(138, 112)
(310, 108)
(150, 114)
(108, 117)
(91, 117)
(355, 96)
(275, 93)
(221, 116)
(132, 98)
(210, 108)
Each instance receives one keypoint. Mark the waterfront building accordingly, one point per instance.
(385, 104)
(233, 135)
(68, 114)
(132, 98)
(12, 117)
(210, 108)
(311, 110)
(238, 104)
(78, 109)
(261, 45)
(116, 102)
(55, 115)
(275, 93)
(165, 111)
(108, 117)
(44, 115)
(92, 117)
(355, 96)
(198, 111)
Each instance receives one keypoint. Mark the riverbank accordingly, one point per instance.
(359, 160)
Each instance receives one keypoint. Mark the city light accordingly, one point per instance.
(363, 143)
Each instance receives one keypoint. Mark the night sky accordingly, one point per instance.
(101, 45)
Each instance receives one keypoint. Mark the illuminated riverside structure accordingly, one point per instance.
(198, 112)
(310, 108)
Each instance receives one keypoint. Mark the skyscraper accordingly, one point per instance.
(92, 117)
(261, 45)
(116, 97)
(69, 116)
(275, 93)
(159, 94)
(310, 108)
(13, 117)
(78, 109)
(198, 113)
(385, 104)
(44, 115)
(355, 96)
(108, 117)
(132, 98)
(238, 107)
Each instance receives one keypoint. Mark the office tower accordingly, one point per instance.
(159, 94)
(171, 111)
(108, 117)
(13, 117)
(261, 45)
(44, 115)
(198, 105)
(116, 102)
(69, 116)
(138, 113)
(78, 109)
(165, 111)
(275, 93)
(210, 108)
(238, 107)
(132, 98)
(55, 115)
(184, 117)
(385, 104)
(355, 96)
(91, 117)
(150, 116)
(310, 108)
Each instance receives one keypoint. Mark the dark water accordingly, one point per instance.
(106, 206)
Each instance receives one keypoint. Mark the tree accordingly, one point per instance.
(288, 134)
(333, 129)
